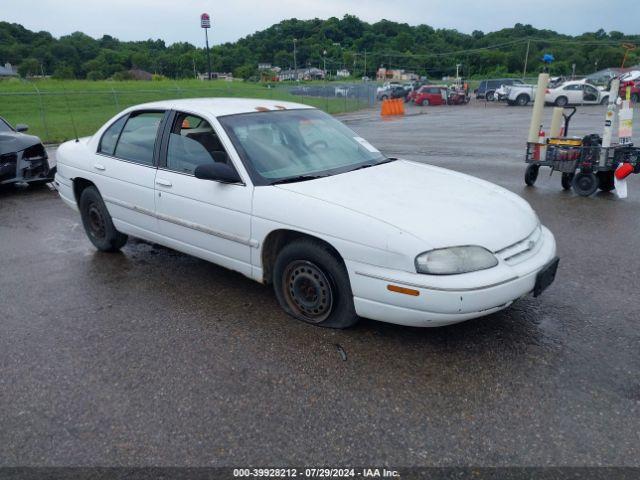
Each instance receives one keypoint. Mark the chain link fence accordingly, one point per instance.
(57, 111)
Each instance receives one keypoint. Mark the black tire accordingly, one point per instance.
(566, 180)
(561, 101)
(312, 285)
(511, 103)
(425, 103)
(604, 101)
(606, 181)
(97, 222)
(585, 184)
(522, 100)
(490, 96)
(531, 174)
(635, 97)
(384, 97)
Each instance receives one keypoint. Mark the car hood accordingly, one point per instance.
(441, 207)
(11, 142)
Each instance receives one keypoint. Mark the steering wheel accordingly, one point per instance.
(318, 143)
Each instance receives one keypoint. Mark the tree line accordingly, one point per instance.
(348, 43)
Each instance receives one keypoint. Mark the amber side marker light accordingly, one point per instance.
(262, 109)
(406, 291)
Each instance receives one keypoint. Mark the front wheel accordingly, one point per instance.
(531, 174)
(561, 101)
(522, 100)
(585, 184)
(312, 285)
(634, 97)
(604, 101)
(490, 96)
(97, 222)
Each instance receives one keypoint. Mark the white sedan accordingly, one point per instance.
(576, 92)
(287, 195)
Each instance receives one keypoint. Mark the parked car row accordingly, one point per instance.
(423, 95)
(559, 93)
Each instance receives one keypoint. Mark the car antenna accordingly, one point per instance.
(73, 123)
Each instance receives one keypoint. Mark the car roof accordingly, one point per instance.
(220, 106)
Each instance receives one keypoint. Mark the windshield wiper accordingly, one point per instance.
(298, 178)
(367, 165)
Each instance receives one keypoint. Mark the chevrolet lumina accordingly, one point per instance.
(287, 195)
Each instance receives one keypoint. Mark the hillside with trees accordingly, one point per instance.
(348, 42)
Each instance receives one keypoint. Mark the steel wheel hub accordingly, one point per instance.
(96, 222)
(308, 290)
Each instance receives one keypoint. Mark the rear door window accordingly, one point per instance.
(138, 138)
(110, 137)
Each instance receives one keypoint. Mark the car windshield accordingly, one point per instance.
(296, 145)
(4, 126)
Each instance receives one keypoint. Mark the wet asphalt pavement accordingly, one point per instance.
(152, 357)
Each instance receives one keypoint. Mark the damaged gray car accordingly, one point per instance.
(23, 158)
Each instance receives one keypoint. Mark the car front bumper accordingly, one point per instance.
(444, 300)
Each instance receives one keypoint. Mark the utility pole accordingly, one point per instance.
(526, 59)
(365, 62)
(295, 61)
(324, 61)
(205, 23)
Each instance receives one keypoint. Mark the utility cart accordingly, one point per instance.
(584, 164)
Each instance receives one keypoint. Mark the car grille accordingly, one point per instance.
(522, 250)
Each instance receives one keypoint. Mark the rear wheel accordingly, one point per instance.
(531, 174)
(585, 184)
(490, 96)
(561, 101)
(634, 97)
(312, 285)
(425, 102)
(97, 222)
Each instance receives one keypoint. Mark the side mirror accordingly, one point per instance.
(21, 127)
(220, 172)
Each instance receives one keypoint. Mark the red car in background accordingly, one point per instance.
(635, 90)
(431, 95)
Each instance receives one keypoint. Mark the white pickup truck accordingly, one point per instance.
(519, 95)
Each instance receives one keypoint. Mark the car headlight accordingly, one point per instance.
(453, 260)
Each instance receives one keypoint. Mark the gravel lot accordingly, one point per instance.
(152, 357)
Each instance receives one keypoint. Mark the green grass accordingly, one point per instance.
(48, 106)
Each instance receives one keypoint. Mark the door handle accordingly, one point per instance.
(100, 167)
(162, 182)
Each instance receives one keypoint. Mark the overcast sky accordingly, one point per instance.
(178, 20)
